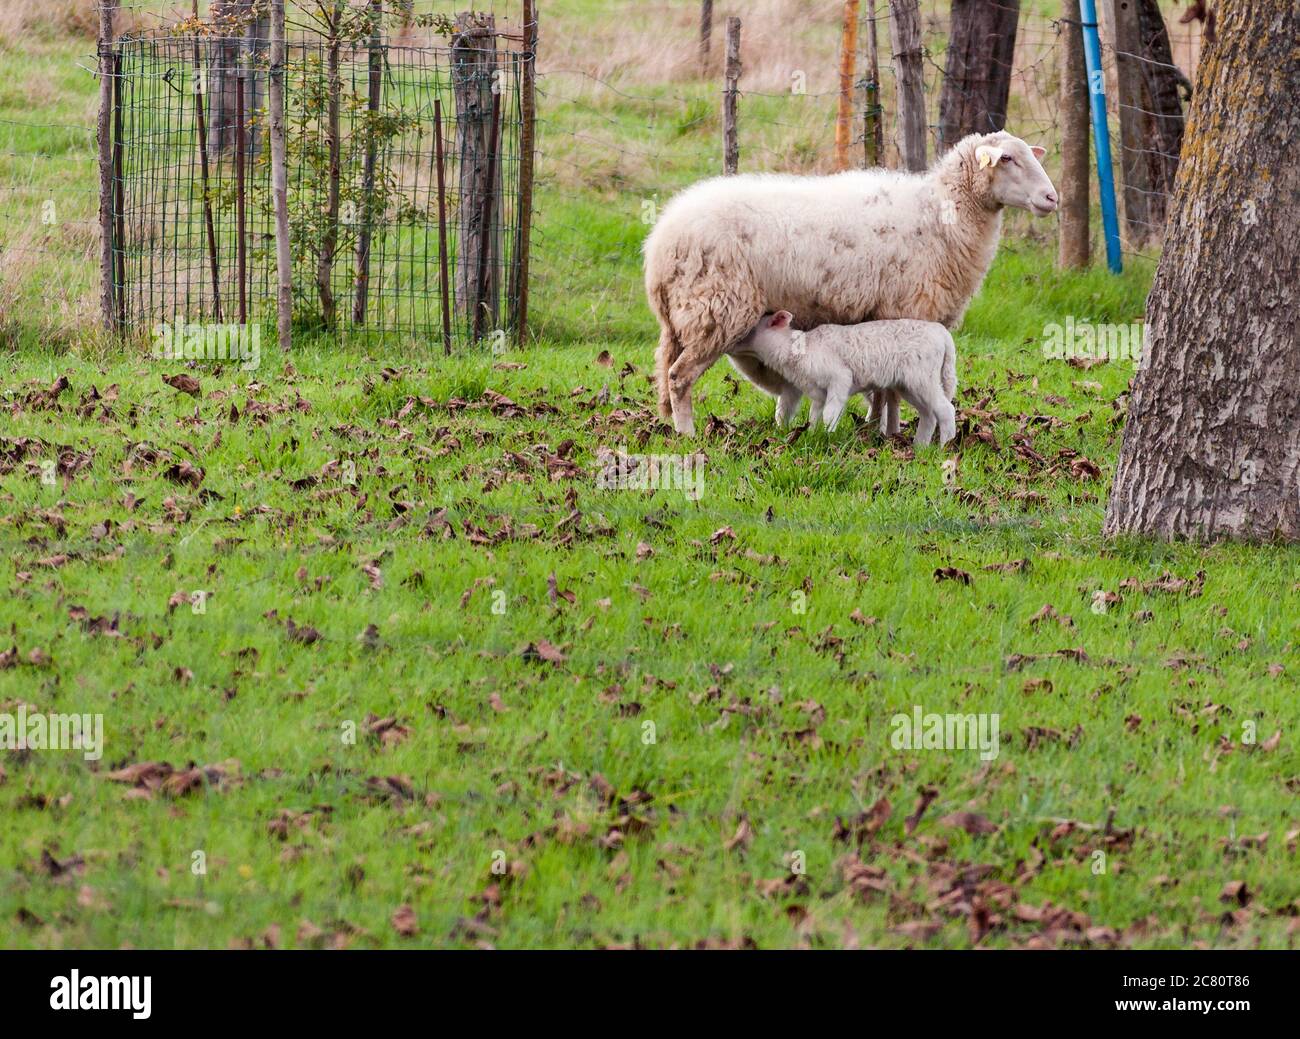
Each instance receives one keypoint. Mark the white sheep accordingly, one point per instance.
(842, 249)
(830, 363)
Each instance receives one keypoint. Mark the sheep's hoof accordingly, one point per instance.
(685, 426)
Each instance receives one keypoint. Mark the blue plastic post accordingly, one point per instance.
(1100, 132)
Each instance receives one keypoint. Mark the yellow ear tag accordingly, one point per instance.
(987, 155)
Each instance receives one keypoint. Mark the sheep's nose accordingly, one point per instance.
(1050, 197)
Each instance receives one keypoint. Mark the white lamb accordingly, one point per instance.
(852, 247)
(830, 363)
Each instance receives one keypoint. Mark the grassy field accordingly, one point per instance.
(442, 688)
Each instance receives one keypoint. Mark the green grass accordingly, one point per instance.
(730, 666)
(701, 640)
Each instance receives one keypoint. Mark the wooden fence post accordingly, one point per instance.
(202, 133)
(333, 129)
(1073, 245)
(730, 90)
(848, 60)
(280, 180)
(374, 87)
(873, 129)
(527, 150)
(104, 133)
(474, 63)
(1121, 22)
(905, 35)
(443, 258)
(706, 34)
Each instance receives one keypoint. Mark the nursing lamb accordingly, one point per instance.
(842, 249)
(830, 363)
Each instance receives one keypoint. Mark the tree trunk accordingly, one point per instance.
(905, 36)
(977, 76)
(1165, 109)
(1212, 444)
(1073, 246)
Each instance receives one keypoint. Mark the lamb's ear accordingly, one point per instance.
(1038, 152)
(987, 155)
(781, 319)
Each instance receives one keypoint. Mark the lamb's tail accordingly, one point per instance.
(948, 371)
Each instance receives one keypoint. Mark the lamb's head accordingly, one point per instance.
(772, 334)
(1006, 171)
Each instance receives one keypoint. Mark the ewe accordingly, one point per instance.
(842, 249)
(915, 359)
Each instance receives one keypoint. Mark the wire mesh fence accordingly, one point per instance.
(403, 176)
(629, 111)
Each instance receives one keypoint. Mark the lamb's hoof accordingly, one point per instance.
(685, 427)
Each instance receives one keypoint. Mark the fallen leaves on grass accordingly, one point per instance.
(405, 922)
(544, 652)
(145, 778)
(184, 383)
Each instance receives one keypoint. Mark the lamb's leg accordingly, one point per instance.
(787, 405)
(947, 421)
(925, 420)
(944, 413)
(816, 401)
(838, 392)
(875, 406)
(884, 411)
(926, 400)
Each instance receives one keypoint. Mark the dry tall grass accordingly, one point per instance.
(20, 19)
(647, 44)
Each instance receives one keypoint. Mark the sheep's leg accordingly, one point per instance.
(706, 341)
(681, 377)
(787, 404)
(838, 392)
(889, 419)
(665, 355)
(756, 372)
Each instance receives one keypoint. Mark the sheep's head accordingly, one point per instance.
(1009, 172)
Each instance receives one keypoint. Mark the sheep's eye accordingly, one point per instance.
(1007, 158)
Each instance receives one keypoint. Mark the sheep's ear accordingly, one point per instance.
(781, 319)
(988, 155)
(1038, 152)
